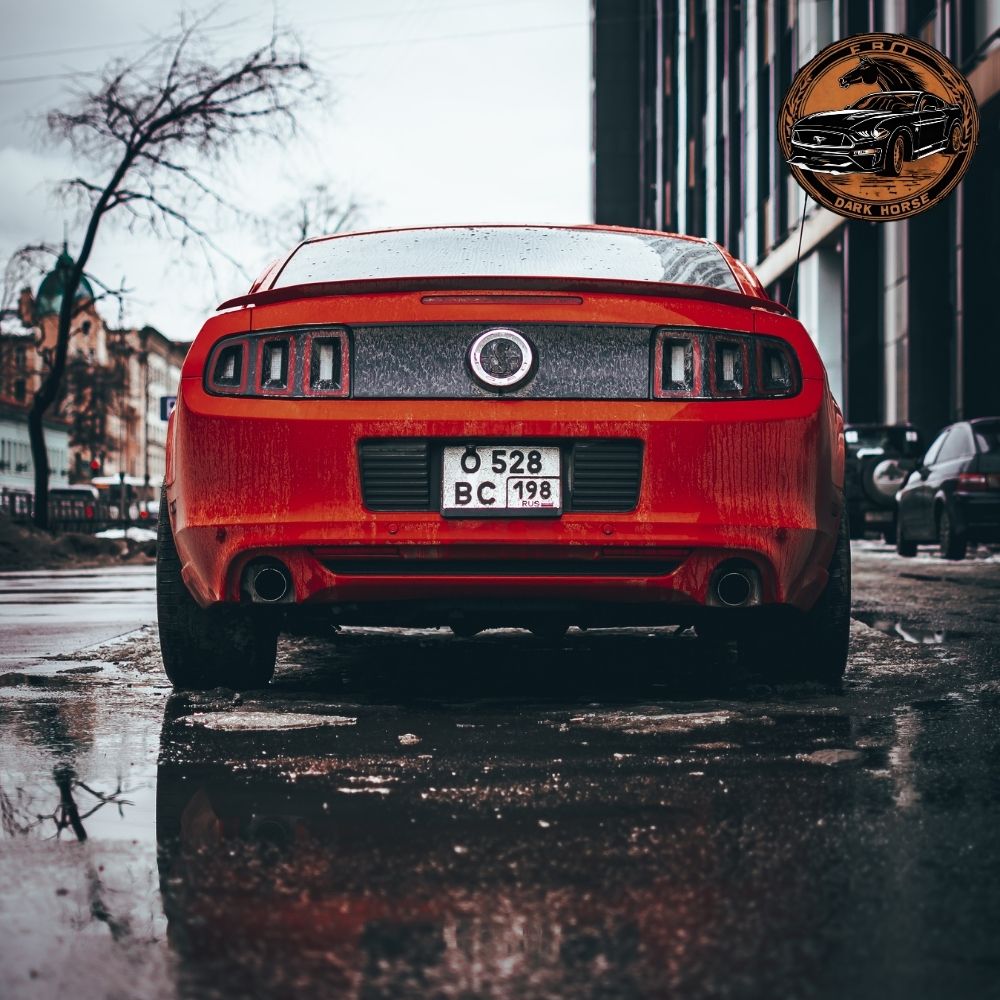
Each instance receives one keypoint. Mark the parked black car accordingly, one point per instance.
(879, 457)
(953, 497)
(880, 133)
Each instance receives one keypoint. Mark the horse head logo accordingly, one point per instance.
(889, 74)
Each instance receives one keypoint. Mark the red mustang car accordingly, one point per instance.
(484, 426)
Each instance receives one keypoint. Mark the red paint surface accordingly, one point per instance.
(754, 479)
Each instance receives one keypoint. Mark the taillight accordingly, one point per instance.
(710, 365)
(678, 362)
(974, 482)
(227, 367)
(327, 360)
(289, 363)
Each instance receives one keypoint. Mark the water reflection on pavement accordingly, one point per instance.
(431, 830)
(614, 815)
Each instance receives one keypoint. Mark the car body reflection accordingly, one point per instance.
(328, 860)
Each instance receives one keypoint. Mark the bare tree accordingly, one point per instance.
(317, 212)
(149, 127)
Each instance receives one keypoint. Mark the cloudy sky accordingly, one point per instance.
(439, 111)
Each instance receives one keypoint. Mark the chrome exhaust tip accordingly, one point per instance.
(268, 583)
(738, 587)
(733, 589)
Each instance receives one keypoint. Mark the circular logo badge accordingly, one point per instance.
(878, 127)
(501, 359)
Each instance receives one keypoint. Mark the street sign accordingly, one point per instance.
(167, 404)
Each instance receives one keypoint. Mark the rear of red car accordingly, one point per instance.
(552, 427)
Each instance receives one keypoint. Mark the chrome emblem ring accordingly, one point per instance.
(501, 359)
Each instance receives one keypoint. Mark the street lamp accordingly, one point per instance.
(120, 348)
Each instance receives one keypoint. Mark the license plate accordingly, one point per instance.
(878, 515)
(483, 480)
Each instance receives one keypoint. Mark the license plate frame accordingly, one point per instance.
(878, 516)
(500, 466)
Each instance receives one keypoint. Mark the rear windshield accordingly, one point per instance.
(987, 437)
(903, 441)
(508, 252)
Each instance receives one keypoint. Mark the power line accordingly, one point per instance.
(362, 45)
(39, 79)
(103, 46)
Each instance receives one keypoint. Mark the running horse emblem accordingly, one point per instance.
(889, 74)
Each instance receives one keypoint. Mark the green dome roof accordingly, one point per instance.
(50, 292)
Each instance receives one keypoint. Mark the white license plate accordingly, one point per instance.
(501, 479)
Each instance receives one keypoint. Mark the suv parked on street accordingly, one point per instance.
(879, 457)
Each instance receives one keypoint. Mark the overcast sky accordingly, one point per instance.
(442, 111)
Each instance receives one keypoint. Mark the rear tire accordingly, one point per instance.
(815, 646)
(953, 543)
(549, 631)
(954, 139)
(202, 648)
(904, 547)
(856, 521)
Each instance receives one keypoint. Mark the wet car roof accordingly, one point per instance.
(509, 251)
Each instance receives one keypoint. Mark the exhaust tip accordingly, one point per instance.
(269, 584)
(734, 589)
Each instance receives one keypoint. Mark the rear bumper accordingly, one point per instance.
(721, 482)
(980, 515)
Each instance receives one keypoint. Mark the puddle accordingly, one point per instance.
(13, 679)
(643, 725)
(916, 634)
(244, 722)
(830, 757)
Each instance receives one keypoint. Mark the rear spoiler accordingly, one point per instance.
(605, 286)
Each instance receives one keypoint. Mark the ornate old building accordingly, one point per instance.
(108, 418)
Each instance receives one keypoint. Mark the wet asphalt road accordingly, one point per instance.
(620, 814)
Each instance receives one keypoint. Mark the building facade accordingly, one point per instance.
(108, 418)
(686, 95)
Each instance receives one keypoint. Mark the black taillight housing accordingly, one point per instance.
(290, 363)
(227, 367)
(708, 364)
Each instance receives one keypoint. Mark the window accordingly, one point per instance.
(988, 437)
(932, 452)
(958, 445)
(508, 252)
(931, 104)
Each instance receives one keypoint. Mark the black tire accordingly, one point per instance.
(953, 542)
(549, 631)
(889, 535)
(815, 645)
(206, 648)
(465, 630)
(904, 547)
(895, 155)
(955, 137)
(856, 521)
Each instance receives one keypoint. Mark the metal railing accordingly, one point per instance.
(79, 515)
